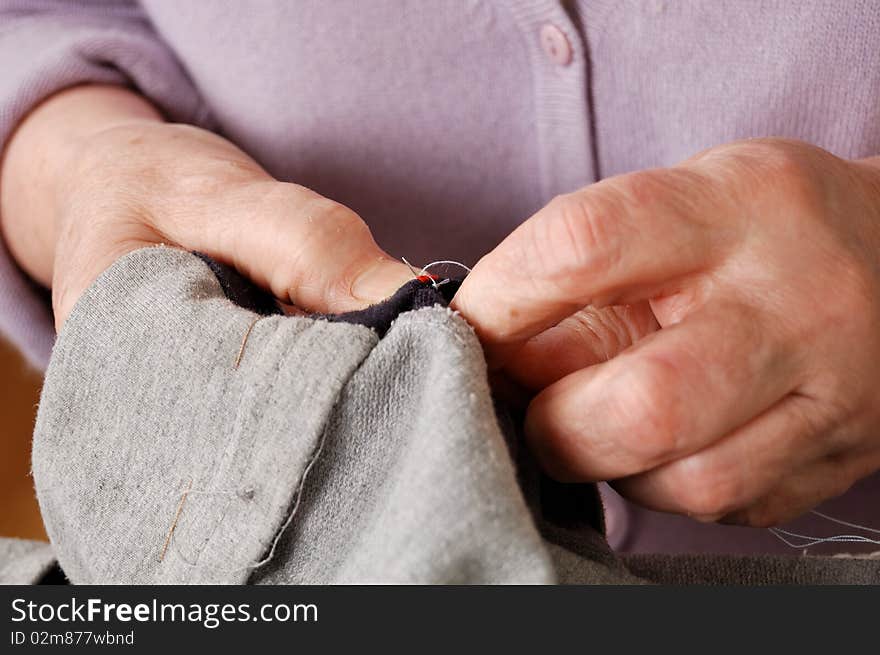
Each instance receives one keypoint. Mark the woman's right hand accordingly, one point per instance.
(93, 174)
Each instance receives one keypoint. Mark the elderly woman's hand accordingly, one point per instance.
(707, 335)
(93, 173)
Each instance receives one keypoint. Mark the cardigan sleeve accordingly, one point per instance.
(47, 46)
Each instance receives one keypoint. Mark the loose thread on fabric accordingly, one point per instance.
(172, 541)
(174, 522)
(244, 341)
(807, 541)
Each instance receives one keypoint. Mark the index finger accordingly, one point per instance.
(618, 241)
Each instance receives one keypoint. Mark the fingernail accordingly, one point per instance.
(380, 280)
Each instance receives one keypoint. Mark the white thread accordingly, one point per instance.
(424, 271)
(864, 528)
(445, 261)
(781, 534)
(809, 541)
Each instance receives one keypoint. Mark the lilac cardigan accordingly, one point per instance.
(446, 123)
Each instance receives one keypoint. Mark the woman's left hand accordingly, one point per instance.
(707, 335)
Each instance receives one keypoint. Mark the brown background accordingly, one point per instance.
(19, 392)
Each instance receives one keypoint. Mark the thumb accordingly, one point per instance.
(309, 251)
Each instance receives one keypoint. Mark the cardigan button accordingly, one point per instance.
(556, 45)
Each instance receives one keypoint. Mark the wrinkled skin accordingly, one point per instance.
(706, 335)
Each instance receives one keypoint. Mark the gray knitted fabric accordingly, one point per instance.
(23, 561)
(327, 455)
(382, 459)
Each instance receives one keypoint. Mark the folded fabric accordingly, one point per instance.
(183, 438)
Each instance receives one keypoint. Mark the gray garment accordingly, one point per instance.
(327, 456)
(23, 561)
(385, 457)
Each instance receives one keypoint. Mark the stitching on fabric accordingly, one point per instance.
(297, 498)
(312, 461)
(295, 501)
(221, 458)
(284, 526)
(226, 452)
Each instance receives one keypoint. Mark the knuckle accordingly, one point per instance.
(646, 189)
(311, 220)
(581, 234)
(781, 168)
(772, 153)
(714, 493)
(606, 330)
(784, 169)
(648, 407)
(705, 491)
(330, 212)
(331, 221)
(330, 242)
